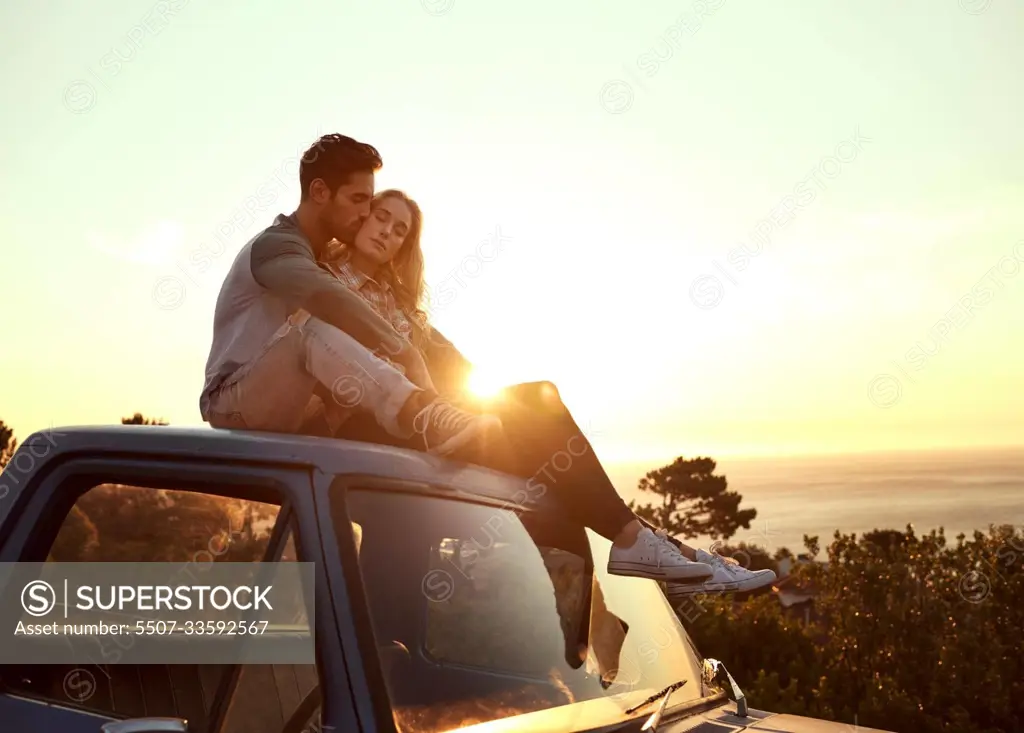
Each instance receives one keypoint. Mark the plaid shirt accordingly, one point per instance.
(377, 293)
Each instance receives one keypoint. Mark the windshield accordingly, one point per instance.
(478, 612)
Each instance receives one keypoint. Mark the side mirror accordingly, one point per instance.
(146, 725)
(715, 674)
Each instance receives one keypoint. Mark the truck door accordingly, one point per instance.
(192, 512)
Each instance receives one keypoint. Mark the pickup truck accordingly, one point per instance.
(446, 595)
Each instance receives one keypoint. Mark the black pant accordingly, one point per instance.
(543, 444)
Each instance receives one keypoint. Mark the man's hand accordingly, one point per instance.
(333, 249)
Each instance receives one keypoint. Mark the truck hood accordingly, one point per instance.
(585, 716)
(725, 720)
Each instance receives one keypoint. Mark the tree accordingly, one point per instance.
(783, 553)
(694, 501)
(8, 444)
(104, 523)
(812, 545)
(77, 539)
(139, 419)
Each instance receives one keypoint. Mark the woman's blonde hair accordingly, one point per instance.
(404, 272)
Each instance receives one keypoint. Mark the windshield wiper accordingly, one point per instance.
(664, 695)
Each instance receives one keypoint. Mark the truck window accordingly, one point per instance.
(474, 612)
(114, 522)
(473, 587)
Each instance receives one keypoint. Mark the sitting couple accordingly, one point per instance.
(320, 315)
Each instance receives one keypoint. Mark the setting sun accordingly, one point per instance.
(485, 383)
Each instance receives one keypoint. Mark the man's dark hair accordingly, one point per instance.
(334, 158)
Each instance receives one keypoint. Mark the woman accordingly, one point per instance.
(384, 265)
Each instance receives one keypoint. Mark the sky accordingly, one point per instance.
(719, 227)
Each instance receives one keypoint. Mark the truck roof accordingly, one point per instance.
(327, 454)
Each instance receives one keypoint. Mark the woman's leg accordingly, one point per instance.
(545, 438)
(545, 444)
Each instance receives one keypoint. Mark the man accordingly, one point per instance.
(285, 330)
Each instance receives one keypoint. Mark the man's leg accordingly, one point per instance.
(273, 392)
(307, 356)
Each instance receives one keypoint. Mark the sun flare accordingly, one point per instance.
(484, 383)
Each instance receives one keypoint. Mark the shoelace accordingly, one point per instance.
(721, 562)
(665, 546)
(442, 416)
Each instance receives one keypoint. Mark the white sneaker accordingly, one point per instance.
(729, 576)
(653, 556)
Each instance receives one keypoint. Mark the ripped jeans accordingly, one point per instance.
(304, 362)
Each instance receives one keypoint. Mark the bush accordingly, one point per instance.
(910, 634)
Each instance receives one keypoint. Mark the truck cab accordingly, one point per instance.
(446, 595)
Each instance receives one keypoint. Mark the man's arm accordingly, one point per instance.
(285, 266)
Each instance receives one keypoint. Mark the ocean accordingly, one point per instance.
(817, 495)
